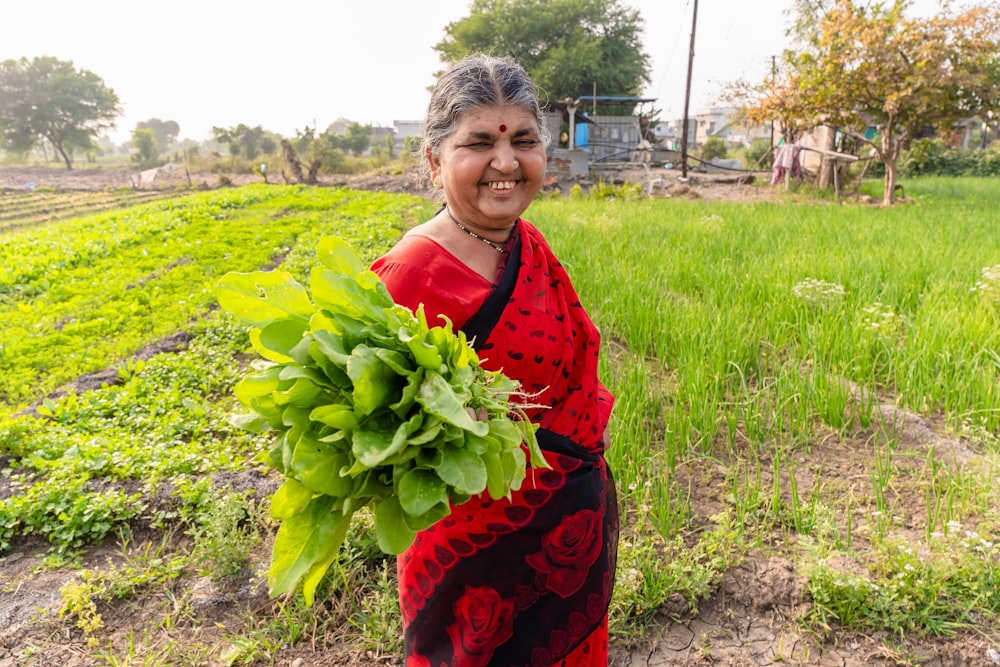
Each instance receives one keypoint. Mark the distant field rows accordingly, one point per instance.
(19, 208)
(83, 294)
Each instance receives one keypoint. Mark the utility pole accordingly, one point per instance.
(687, 98)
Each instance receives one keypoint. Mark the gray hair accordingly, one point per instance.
(475, 81)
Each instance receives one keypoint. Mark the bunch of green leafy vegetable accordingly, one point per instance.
(372, 407)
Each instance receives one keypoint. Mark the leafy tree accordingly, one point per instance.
(269, 144)
(241, 140)
(356, 138)
(567, 46)
(165, 131)
(713, 147)
(146, 147)
(874, 67)
(49, 100)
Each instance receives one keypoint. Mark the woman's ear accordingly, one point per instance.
(435, 166)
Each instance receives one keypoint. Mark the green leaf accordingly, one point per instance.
(431, 429)
(423, 521)
(336, 415)
(301, 394)
(462, 469)
(396, 361)
(252, 422)
(337, 293)
(408, 396)
(420, 490)
(439, 398)
(376, 385)
(291, 498)
(513, 469)
(373, 446)
(393, 535)
(337, 255)
(259, 384)
(415, 337)
(496, 482)
(328, 554)
(275, 340)
(261, 297)
(317, 465)
(305, 546)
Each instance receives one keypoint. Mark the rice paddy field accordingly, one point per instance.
(806, 436)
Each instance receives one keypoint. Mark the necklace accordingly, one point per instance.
(496, 246)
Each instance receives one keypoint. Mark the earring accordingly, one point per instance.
(436, 181)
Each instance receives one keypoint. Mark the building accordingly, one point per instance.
(406, 129)
(719, 122)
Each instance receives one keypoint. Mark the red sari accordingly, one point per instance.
(526, 581)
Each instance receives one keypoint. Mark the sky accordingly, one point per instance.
(290, 64)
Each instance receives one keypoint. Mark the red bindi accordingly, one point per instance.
(503, 128)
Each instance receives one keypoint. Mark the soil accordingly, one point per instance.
(751, 619)
(657, 181)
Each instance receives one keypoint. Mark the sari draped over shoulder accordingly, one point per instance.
(524, 581)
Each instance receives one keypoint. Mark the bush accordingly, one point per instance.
(755, 154)
(712, 148)
(933, 157)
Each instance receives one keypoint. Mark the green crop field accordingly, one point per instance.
(806, 383)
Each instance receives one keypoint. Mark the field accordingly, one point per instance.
(806, 437)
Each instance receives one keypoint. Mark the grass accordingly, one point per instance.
(770, 361)
(745, 333)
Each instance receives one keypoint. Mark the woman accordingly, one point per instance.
(525, 581)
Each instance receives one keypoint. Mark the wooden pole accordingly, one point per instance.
(687, 97)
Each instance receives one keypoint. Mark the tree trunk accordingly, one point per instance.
(827, 164)
(890, 151)
(311, 178)
(63, 155)
(292, 160)
(889, 197)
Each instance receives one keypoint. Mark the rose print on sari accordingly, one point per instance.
(483, 621)
(568, 551)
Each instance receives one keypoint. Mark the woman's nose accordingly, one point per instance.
(504, 160)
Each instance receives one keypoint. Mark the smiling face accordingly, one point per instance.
(492, 166)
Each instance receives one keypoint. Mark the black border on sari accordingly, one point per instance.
(477, 329)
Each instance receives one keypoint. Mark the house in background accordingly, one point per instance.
(405, 129)
(719, 122)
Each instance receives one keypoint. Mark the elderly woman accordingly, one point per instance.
(524, 581)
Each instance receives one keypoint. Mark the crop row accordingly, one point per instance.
(79, 296)
(28, 209)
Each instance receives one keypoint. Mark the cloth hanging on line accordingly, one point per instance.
(786, 163)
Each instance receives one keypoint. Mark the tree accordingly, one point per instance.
(569, 47)
(146, 147)
(874, 67)
(713, 147)
(241, 140)
(46, 99)
(165, 131)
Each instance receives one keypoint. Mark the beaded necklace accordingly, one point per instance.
(496, 246)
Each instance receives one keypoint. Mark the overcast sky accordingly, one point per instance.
(289, 64)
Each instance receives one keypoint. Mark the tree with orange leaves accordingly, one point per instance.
(875, 67)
